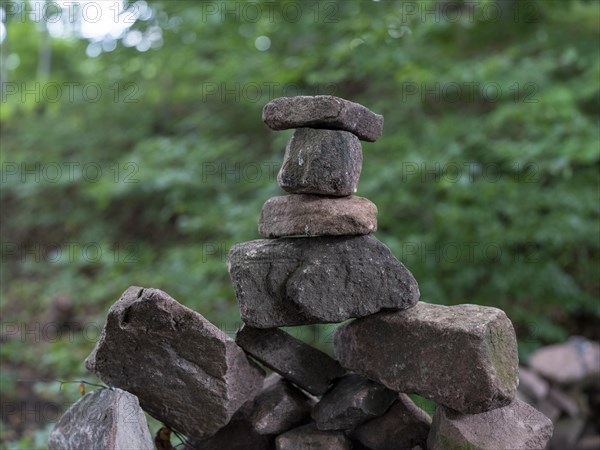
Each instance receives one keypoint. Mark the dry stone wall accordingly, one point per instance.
(319, 263)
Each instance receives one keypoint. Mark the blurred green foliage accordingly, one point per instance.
(486, 176)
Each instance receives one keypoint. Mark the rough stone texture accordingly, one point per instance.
(325, 162)
(303, 365)
(280, 407)
(404, 426)
(517, 426)
(571, 362)
(532, 385)
(323, 111)
(350, 402)
(300, 281)
(238, 434)
(463, 357)
(310, 437)
(106, 419)
(313, 215)
(185, 371)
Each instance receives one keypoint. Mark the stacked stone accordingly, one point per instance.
(338, 270)
(462, 357)
(319, 263)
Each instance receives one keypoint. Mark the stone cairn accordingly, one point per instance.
(319, 263)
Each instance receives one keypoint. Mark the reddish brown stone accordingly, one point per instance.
(314, 215)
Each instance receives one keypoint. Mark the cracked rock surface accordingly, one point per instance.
(301, 281)
(185, 371)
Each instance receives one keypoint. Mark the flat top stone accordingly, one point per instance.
(185, 371)
(323, 111)
(312, 215)
(100, 420)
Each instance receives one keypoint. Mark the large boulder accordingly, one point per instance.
(185, 371)
(463, 357)
(300, 281)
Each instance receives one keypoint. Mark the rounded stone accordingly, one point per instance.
(325, 162)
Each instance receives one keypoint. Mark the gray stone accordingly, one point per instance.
(324, 162)
(463, 357)
(517, 426)
(310, 437)
(404, 426)
(303, 365)
(576, 360)
(314, 215)
(185, 371)
(350, 402)
(300, 281)
(238, 434)
(279, 408)
(106, 419)
(323, 111)
(532, 385)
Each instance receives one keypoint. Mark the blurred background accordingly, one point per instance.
(133, 153)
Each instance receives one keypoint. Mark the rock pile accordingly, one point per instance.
(317, 263)
(563, 382)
